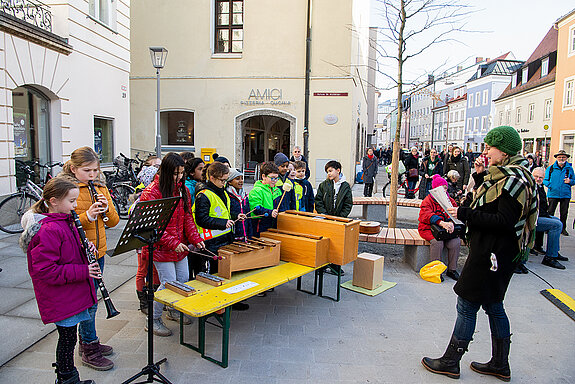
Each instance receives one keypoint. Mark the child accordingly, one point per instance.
(61, 275)
(170, 254)
(83, 167)
(282, 162)
(334, 194)
(239, 205)
(149, 170)
(303, 189)
(452, 190)
(263, 198)
(194, 168)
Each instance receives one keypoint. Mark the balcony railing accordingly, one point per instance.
(31, 11)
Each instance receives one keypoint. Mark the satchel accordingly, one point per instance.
(441, 234)
(413, 173)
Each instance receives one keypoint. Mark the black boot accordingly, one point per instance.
(143, 302)
(498, 366)
(72, 377)
(448, 364)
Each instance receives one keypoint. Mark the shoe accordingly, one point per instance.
(174, 315)
(565, 233)
(159, 329)
(498, 366)
(537, 251)
(105, 350)
(442, 278)
(448, 364)
(330, 270)
(521, 269)
(241, 306)
(552, 262)
(561, 258)
(262, 294)
(72, 377)
(92, 357)
(452, 274)
(143, 302)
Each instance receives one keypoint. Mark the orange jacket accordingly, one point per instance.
(95, 229)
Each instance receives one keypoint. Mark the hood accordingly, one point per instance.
(341, 179)
(238, 195)
(32, 221)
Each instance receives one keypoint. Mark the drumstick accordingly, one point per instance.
(286, 188)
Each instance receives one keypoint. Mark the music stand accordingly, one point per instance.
(145, 227)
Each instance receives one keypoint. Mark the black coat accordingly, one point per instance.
(461, 165)
(369, 167)
(411, 162)
(204, 220)
(438, 170)
(491, 230)
(324, 199)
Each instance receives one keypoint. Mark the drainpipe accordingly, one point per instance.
(307, 79)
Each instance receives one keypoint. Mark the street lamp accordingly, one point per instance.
(158, 55)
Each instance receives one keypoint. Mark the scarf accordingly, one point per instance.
(513, 177)
(370, 157)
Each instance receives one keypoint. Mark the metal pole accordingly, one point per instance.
(307, 83)
(158, 133)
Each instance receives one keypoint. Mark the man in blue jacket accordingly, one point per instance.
(559, 178)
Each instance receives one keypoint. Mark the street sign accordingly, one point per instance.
(545, 127)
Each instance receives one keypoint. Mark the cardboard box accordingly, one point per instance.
(368, 271)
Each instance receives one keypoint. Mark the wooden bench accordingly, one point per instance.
(375, 208)
(415, 250)
(210, 302)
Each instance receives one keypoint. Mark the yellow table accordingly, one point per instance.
(209, 299)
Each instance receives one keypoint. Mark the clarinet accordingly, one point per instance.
(95, 195)
(92, 259)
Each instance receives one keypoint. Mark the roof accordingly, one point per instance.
(463, 97)
(545, 47)
(565, 16)
(534, 82)
(498, 66)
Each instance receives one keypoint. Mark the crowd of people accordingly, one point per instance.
(213, 211)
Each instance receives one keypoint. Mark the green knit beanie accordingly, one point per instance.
(504, 138)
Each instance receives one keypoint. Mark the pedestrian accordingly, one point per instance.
(559, 178)
(239, 205)
(369, 168)
(84, 167)
(193, 169)
(531, 160)
(172, 248)
(431, 213)
(459, 163)
(446, 154)
(298, 156)
(60, 271)
(264, 198)
(288, 202)
(452, 185)
(499, 222)
(547, 223)
(412, 171)
(430, 166)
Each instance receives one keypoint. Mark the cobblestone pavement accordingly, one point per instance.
(292, 337)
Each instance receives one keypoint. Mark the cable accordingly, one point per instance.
(552, 287)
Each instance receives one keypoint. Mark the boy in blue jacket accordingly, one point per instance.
(303, 189)
(282, 162)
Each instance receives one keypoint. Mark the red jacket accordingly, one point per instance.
(180, 229)
(429, 209)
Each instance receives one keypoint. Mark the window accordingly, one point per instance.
(544, 67)
(104, 139)
(524, 75)
(531, 113)
(572, 41)
(104, 11)
(477, 99)
(476, 124)
(547, 109)
(518, 115)
(470, 100)
(568, 98)
(500, 117)
(177, 128)
(229, 26)
(508, 117)
(514, 80)
(469, 127)
(484, 123)
(485, 96)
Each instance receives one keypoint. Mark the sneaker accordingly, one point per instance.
(565, 233)
(453, 274)
(92, 357)
(561, 258)
(174, 315)
(241, 306)
(537, 251)
(552, 262)
(159, 329)
(105, 350)
(521, 269)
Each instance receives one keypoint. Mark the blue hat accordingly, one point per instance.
(280, 158)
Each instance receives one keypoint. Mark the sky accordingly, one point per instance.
(507, 25)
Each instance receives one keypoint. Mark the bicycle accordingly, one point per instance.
(13, 207)
(402, 186)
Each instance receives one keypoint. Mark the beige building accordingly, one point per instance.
(234, 79)
(64, 77)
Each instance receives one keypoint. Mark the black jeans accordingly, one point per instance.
(563, 209)
(368, 189)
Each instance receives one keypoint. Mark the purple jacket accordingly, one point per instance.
(59, 269)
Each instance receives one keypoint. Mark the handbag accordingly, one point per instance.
(441, 234)
(413, 173)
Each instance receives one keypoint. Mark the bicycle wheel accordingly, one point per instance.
(11, 210)
(121, 195)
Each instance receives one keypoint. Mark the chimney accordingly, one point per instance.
(478, 60)
(430, 79)
(459, 68)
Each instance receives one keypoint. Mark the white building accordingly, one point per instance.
(64, 76)
(456, 126)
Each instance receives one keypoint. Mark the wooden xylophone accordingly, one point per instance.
(240, 256)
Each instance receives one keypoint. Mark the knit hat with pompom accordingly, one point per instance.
(504, 138)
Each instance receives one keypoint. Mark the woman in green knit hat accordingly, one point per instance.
(500, 223)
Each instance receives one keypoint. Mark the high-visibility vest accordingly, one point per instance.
(298, 190)
(217, 209)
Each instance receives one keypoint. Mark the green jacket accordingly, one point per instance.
(262, 195)
(324, 199)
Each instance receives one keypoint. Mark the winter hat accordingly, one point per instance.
(234, 173)
(221, 159)
(280, 158)
(504, 138)
(437, 181)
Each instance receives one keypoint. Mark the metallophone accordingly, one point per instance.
(241, 256)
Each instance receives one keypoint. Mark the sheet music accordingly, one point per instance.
(240, 287)
(442, 199)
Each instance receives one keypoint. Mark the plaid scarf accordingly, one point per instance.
(513, 177)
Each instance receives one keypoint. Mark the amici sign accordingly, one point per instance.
(271, 96)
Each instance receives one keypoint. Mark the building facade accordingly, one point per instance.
(64, 77)
(235, 81)
(527, 103)
(455, 131)
(563, 135)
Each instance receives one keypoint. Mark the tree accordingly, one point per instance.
(411, 28)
